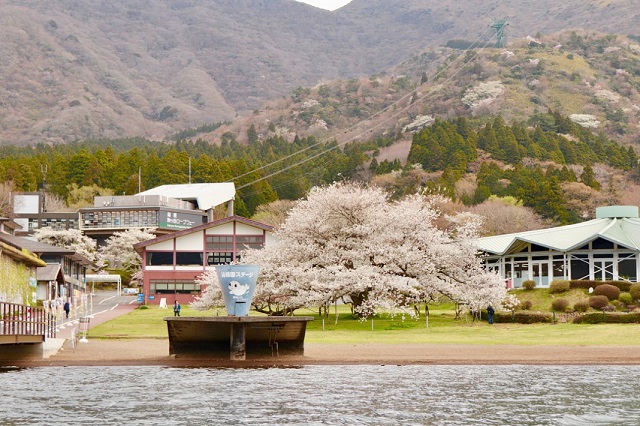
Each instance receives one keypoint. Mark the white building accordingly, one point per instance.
(605, 248)
(171, 263)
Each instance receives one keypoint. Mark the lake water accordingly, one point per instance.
(322, 395)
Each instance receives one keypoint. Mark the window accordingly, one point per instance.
(602, 244)
(220, 242)
(189, 258)
(219, 258)
(220, 248)
(249, 241)
(535, 247)
(156, 258)
(173, 287)
(579, 269)
(627, 269)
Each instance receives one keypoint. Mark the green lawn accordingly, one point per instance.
(443, 329)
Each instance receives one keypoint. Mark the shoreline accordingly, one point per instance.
(155, 352)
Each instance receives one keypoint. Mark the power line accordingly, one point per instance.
(358, 124)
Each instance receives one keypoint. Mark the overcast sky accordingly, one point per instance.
(326, 4)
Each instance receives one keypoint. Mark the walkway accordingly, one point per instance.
(99, 317)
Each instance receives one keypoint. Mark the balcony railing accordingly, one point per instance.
(23, 320)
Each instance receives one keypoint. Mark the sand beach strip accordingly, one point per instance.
(140, 352)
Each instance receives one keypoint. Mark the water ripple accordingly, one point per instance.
(322, 395)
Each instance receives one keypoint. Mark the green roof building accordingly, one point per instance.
(605, 248)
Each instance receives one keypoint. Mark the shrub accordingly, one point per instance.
(625, 298)
(523, 317)
(525, 305)
(586, 284)
(598, 302)
(529, 284)
(615, 318)
(582, 306)
(559, 286)
(612, 292)
(622, 285)
(634, 291)
(559, 305)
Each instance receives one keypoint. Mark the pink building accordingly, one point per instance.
(171, 263)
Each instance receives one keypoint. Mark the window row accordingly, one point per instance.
(165, 258)
(173, 287)
(120, 218)
(226, 242)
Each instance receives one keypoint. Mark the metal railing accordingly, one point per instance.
(18, 319)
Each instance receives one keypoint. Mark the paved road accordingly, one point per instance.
(105, 306)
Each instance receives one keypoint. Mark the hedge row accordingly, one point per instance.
(587, 284)
(609, 317)
(523, 317)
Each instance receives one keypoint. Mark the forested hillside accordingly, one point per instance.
(74, 70)
(540, 165)
(115, 166)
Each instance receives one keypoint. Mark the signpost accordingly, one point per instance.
(238, 283)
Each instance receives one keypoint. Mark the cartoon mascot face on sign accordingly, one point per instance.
(238, 289)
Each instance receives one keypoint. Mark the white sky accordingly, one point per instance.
(326, 4)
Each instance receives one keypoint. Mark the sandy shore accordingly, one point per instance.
(156, 352)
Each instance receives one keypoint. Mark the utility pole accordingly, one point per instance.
(500, 26)
(43, 170)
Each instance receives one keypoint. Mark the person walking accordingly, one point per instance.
(67, 308)
(176, 309)
(490, 312)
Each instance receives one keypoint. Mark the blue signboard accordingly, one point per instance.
(238, 283)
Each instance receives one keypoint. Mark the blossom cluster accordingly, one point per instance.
(607, 95)
(585, 120)
(420, 122)
(483, 93)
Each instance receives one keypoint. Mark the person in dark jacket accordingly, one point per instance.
(176, 309)
(67, 308)
(490, 312)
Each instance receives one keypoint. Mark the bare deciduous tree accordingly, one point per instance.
(6, 198)
(506, 215)
(274, 213)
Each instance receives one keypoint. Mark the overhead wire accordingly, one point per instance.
(362, 122)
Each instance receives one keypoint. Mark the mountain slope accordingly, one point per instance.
(74, 69)
(594, 78)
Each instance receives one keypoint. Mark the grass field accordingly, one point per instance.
(442, 329)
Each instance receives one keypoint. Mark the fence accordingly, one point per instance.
(17, 319)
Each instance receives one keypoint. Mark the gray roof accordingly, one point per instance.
(624, 231)
(207, 195)
(42, 248)
(51, 272)
(33, 245)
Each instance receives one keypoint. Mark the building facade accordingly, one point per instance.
(165, 209)
(171, 263)
(159, 213)
(605, 248)
(19, 266)
(30, 214)
(62, 275)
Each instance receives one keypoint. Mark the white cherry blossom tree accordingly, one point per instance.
(71, 239)
(119, 252)
(350, 242)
